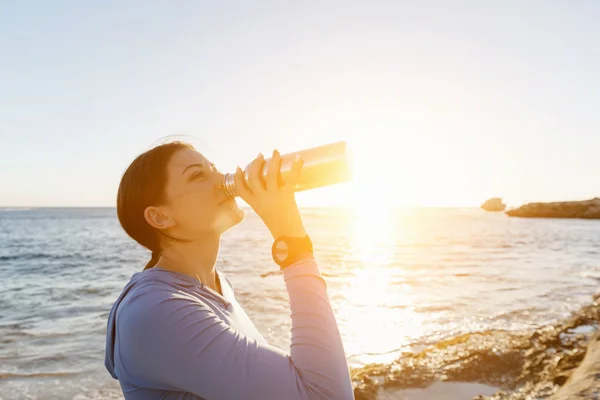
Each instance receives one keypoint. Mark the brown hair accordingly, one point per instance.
(142, 185)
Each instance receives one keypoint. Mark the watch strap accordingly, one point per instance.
(297, 258)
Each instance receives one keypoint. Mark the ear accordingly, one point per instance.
(157, 218)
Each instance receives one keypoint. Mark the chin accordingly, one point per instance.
(230, 217)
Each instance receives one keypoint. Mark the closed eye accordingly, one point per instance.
(197, 175)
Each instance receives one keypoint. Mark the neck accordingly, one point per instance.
(196, 259)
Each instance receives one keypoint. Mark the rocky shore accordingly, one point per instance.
(521, 365)
(589, 209)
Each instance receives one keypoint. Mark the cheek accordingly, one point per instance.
(197, 207)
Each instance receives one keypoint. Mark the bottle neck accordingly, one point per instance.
(229, 185)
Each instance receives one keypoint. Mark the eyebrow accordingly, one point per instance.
(190, 166)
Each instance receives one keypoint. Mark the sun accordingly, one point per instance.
(407, 171)
(378, 176)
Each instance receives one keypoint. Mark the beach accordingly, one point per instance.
(559, 361)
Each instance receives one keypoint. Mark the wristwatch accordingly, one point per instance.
(286, 250)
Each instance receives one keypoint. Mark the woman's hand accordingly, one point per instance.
(275, 204)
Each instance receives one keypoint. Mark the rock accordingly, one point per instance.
(584, 383)
(494, 204)
(588, 209)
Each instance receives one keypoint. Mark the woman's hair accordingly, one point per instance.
(142, 185)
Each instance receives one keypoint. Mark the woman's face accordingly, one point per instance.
(195, 200)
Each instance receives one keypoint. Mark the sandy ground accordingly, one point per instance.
(439, 391)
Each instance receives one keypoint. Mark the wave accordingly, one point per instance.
(34, 256)
(36, 375)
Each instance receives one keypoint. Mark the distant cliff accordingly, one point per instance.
(589, 209)
(494, 204)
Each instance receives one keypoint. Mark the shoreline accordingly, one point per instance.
(515, 365)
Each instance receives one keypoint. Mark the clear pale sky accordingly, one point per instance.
(447, 102)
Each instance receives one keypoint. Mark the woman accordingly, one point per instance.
(176, 331)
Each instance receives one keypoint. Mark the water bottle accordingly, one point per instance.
(323, 165)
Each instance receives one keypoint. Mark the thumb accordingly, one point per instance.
(294, 176)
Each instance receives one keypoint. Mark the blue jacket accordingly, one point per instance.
(171, 337)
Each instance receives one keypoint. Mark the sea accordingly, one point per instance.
(399, 280)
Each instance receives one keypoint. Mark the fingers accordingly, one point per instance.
(254, 178)
(294, 175)
(241, 187)
(273, 171)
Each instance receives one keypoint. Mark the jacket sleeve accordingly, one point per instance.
(180, 344)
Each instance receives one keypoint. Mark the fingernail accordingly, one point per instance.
(275, 152)
(260, 155)
(297, 158)
(238, 169)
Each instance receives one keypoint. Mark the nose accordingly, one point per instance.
(220, 191)
(219, 180)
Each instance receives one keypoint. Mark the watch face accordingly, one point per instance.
(281, 250)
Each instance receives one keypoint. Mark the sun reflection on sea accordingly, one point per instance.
(379, 316)
(372, 236)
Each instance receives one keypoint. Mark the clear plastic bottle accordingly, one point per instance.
(323, 165)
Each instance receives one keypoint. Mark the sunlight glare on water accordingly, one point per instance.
(380, 317)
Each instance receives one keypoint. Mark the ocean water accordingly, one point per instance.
(398, 281)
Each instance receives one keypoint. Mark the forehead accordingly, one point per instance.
(184, 157)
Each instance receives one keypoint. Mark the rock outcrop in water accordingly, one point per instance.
(525, 365)
(589, 209)
(494, 204)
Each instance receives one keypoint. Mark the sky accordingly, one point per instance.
(443, 103)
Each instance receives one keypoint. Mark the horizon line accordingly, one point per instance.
(247, 207)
